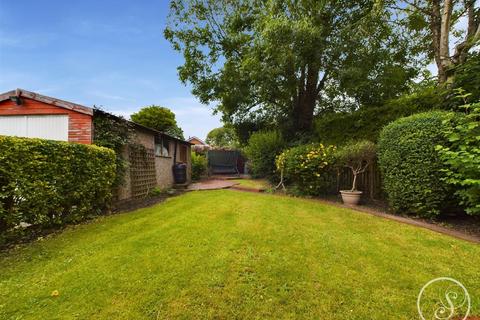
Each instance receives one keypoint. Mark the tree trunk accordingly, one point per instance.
(435, 28)
(307, 95)
(440, 25)
(444, 49)
(354, 183)
(303, 112)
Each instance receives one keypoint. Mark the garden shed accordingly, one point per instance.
(152, 156)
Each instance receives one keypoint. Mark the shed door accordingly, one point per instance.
(53, 127)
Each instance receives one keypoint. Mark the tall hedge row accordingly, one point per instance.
(366, 123)
(412, 169)
(45, 183)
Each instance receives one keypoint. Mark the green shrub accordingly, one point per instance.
(356, 156)
(199, 165)
(411, 167)
(366, 123)
(47, 183)
(156, 192)
(261, 151)
(461, 156)
(309, 169)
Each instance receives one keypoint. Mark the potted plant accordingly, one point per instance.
(357, 156)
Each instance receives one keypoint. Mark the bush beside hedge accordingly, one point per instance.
(46, 183)
(261, 151)
(461, 156)
(411, 167)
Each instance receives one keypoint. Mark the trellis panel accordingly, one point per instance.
(142, 171)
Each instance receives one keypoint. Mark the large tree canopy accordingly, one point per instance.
(158, 118)
(276, 61)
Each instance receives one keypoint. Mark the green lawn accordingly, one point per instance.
(233, 255)
(260, 184)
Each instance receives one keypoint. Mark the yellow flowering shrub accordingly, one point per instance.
(308, 169)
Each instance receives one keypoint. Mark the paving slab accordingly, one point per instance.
(211, 184)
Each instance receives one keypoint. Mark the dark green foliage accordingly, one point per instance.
(261, 151)
(244, 129)
(158, 118)
(114, 133)
(337, 128)
(199, 165)
(466, 79)
(411, 167)
(111, 131)
(46, 183)
(461, 156)
(309, 169)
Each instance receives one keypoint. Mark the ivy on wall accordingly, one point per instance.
(115, 133)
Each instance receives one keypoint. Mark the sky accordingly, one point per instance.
(108, 53)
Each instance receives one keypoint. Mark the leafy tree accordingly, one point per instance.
(158, 118)
(272, 61)
(466, 79)
(436, 22)
(222, 137)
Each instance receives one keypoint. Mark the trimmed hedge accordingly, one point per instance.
(46, 183)
(411, 167)
(309, 169)
(366, 123)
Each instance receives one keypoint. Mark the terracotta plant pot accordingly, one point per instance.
(351, 198)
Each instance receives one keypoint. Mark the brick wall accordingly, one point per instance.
(79, 124)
